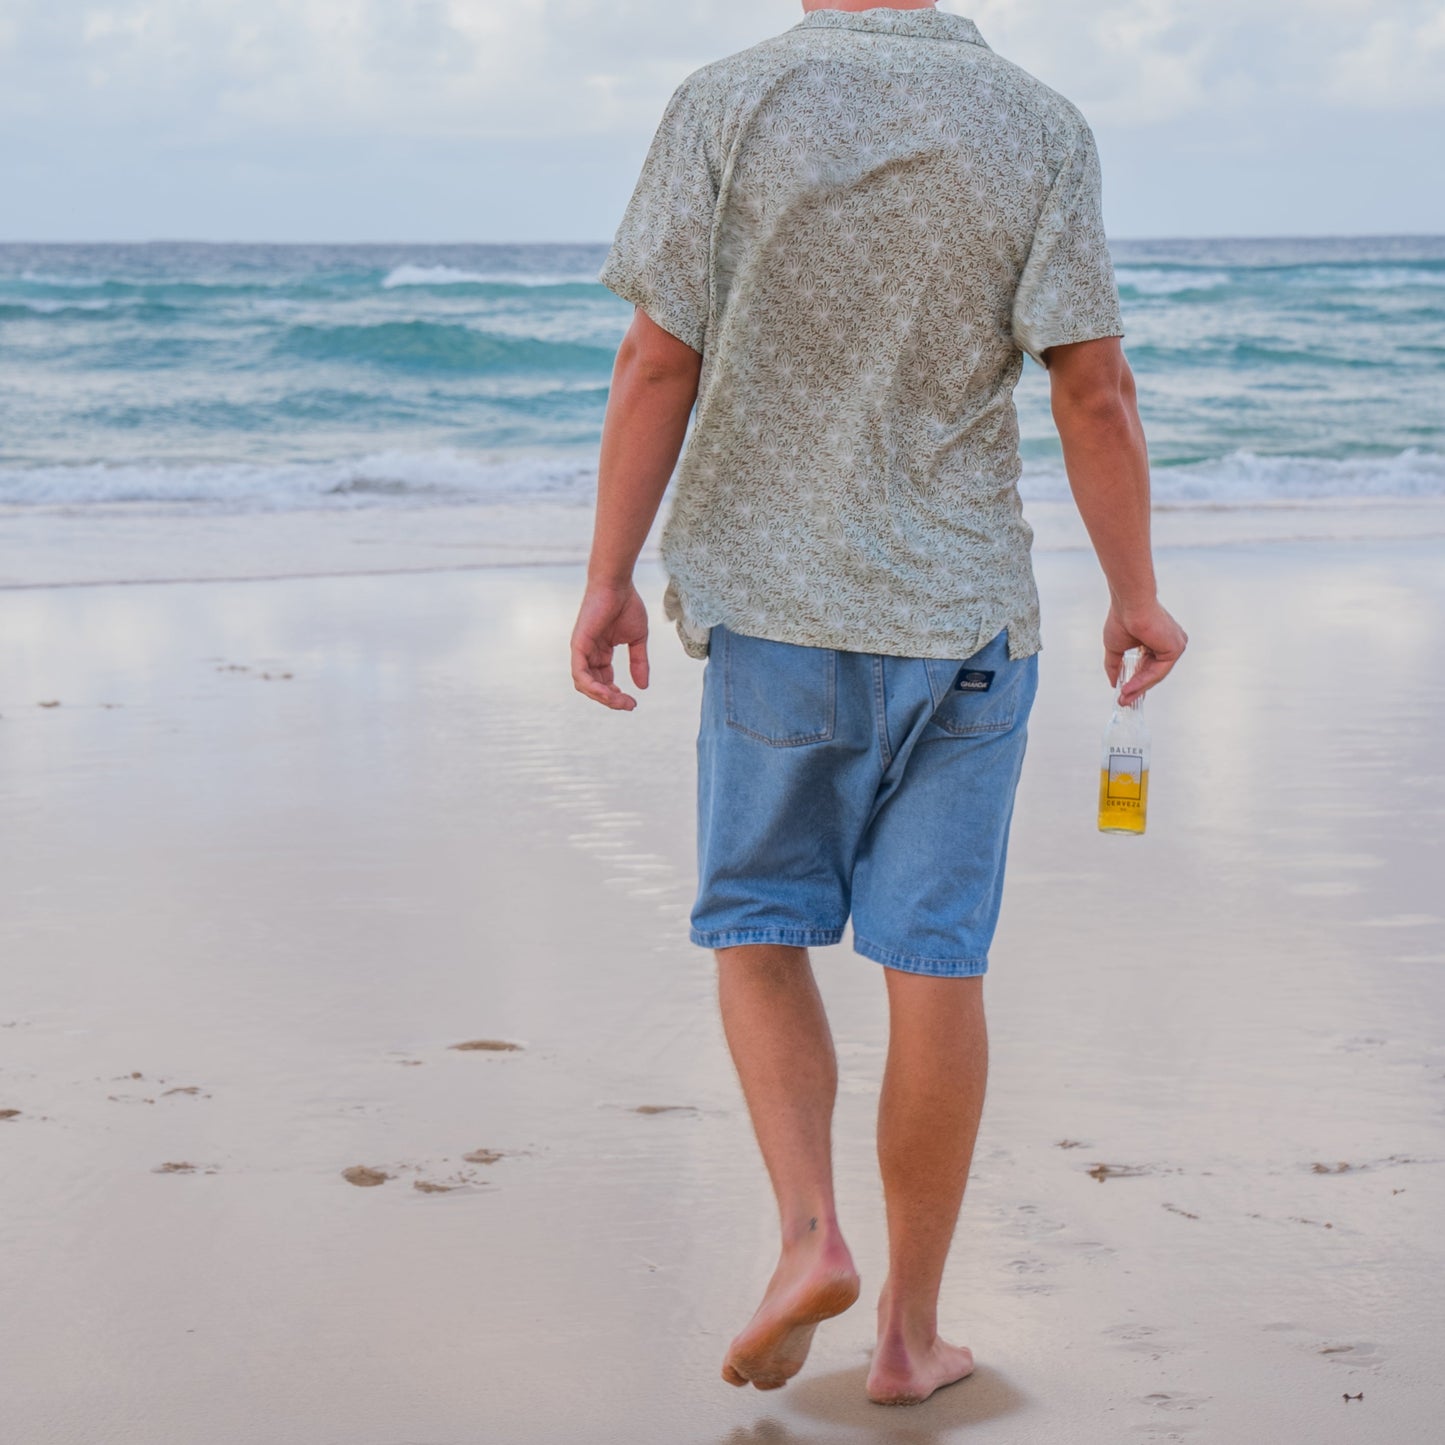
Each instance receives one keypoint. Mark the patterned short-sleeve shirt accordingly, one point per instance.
(862, 224)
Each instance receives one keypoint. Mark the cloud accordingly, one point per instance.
(1136, 62)
(287, 90)
(441, 67)
(1399, 64)
(529, 67)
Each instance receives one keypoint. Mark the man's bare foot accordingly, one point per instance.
(815, 1280)
(905, 1374)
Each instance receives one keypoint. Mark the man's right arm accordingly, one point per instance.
(1092, 393)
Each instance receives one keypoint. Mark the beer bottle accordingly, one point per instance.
(1124, 773)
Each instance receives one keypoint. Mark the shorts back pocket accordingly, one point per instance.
(985, 693)
(780, 693)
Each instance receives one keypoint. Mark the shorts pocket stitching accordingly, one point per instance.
(942, 683)
(972, 729)
(788, 740)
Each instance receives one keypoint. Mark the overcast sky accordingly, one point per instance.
(505, 120)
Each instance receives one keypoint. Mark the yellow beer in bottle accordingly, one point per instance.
(1124, 771)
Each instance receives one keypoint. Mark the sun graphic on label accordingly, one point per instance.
(1125, 775)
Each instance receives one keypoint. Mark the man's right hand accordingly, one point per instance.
(1161, 639)
(610, 617)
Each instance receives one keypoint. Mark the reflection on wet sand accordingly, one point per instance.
(837, 1401)
(233, 910)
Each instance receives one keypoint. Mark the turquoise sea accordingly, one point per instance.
(261, 378)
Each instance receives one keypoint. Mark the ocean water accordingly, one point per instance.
(167, 377)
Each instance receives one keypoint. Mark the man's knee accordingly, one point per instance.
(761, 958)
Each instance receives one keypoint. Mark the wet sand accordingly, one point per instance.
(357, 1082)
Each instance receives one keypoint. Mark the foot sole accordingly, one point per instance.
(772, 1357)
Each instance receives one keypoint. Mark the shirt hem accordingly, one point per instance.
(962, 642)
(1070, 337)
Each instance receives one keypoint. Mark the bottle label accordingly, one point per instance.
(1126, 777)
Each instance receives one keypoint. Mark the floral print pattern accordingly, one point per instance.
(862, 224)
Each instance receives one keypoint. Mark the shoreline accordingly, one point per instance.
(288, 866)
(103, 546)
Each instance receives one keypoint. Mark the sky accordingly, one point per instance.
(526, 120)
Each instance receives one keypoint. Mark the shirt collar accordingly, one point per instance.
(926, 23)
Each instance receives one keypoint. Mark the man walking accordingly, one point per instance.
(842, 243)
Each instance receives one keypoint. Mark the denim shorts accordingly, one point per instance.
(837, 783)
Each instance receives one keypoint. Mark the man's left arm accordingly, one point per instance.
(654, 386)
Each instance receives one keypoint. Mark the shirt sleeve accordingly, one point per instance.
(1067, 292)
(660, 258)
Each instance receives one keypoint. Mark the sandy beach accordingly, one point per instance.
(275, 849)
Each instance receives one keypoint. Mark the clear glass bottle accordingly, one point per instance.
(1124, 772)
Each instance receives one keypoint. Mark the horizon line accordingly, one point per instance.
(1136, 239)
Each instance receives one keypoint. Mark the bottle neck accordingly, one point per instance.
(1127, 669)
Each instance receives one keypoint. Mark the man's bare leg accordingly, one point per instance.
(928, 1119)
(783, 1049)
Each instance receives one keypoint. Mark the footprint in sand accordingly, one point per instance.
(1025, 1221)
(1343, 1166)
(364, 1177)
(1287, 1219)
(1175, 1209)
(1362, 1354)
(1144, 1339)
(1131, 1334)
(264, 676)
(1163, 1400)
(136, 1074)
(1027, 1269)
(488, 1046)
(1101, 1172)
(465, 1180)
(1027, 1264)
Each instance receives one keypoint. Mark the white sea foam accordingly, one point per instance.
(44, 278)
(1167, 281)
(451, 276)
(43, 307)
(1245, 479)
(392, 478)
(1174, 281)
(1393, 278)
(443, 477)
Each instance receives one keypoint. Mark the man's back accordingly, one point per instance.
(861, 224)
(842, 243)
